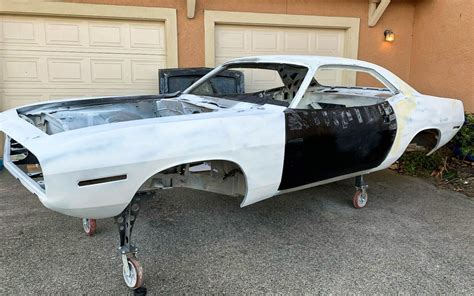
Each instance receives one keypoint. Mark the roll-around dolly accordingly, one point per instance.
(359, 200)
(131, 268)
(89, 226)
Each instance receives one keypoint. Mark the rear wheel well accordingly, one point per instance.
(425, 140)
(219, 176)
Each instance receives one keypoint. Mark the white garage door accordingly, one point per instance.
(43, 58)
(234, 41)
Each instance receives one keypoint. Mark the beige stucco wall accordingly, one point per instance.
(442, 59)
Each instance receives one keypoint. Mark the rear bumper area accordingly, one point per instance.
(23, 165)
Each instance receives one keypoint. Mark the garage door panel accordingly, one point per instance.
(20, 97)
(19, 30)
(330, 44)
(144, 84)
(66, 34)
(92, 87)
(19, 69)
(298, 42)
(234, 41)
(76, 68)
(145, 71)
(108, 35)
(67, 70)
(142, 36)
(13, 100)
(48, 58)
(110, 71)
(264, 41)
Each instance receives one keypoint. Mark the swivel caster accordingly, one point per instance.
(89, 226)
(132, 272)
(359, 200)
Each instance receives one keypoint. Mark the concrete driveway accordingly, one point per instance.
(411, 238)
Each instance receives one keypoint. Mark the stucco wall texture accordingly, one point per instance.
(432, 49)
(442, 59)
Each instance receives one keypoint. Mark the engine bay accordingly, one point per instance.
(57, 118)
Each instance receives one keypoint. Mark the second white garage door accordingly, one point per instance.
(43, 58)
(233, 41)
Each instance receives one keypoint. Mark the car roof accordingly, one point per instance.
(306, 60)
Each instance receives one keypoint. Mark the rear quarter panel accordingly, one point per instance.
(417, 112)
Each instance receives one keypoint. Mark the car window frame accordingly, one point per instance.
(371, 71)
(299, 94)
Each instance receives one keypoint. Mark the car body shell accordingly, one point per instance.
(142, 148)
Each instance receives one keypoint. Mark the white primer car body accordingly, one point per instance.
(95, 154)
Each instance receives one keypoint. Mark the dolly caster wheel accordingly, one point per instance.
(360, 199)
(131, 268)
(89, 226)
(132, 272)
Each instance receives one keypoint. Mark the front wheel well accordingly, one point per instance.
(219, 176)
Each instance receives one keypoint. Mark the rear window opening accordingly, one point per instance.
(26, 162)
(336, 86)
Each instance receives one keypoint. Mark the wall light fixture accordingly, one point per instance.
(389, 35)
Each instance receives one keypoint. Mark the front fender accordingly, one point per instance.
(253, 140)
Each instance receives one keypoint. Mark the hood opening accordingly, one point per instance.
(55, 118)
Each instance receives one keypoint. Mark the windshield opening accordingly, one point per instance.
(264, 83)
